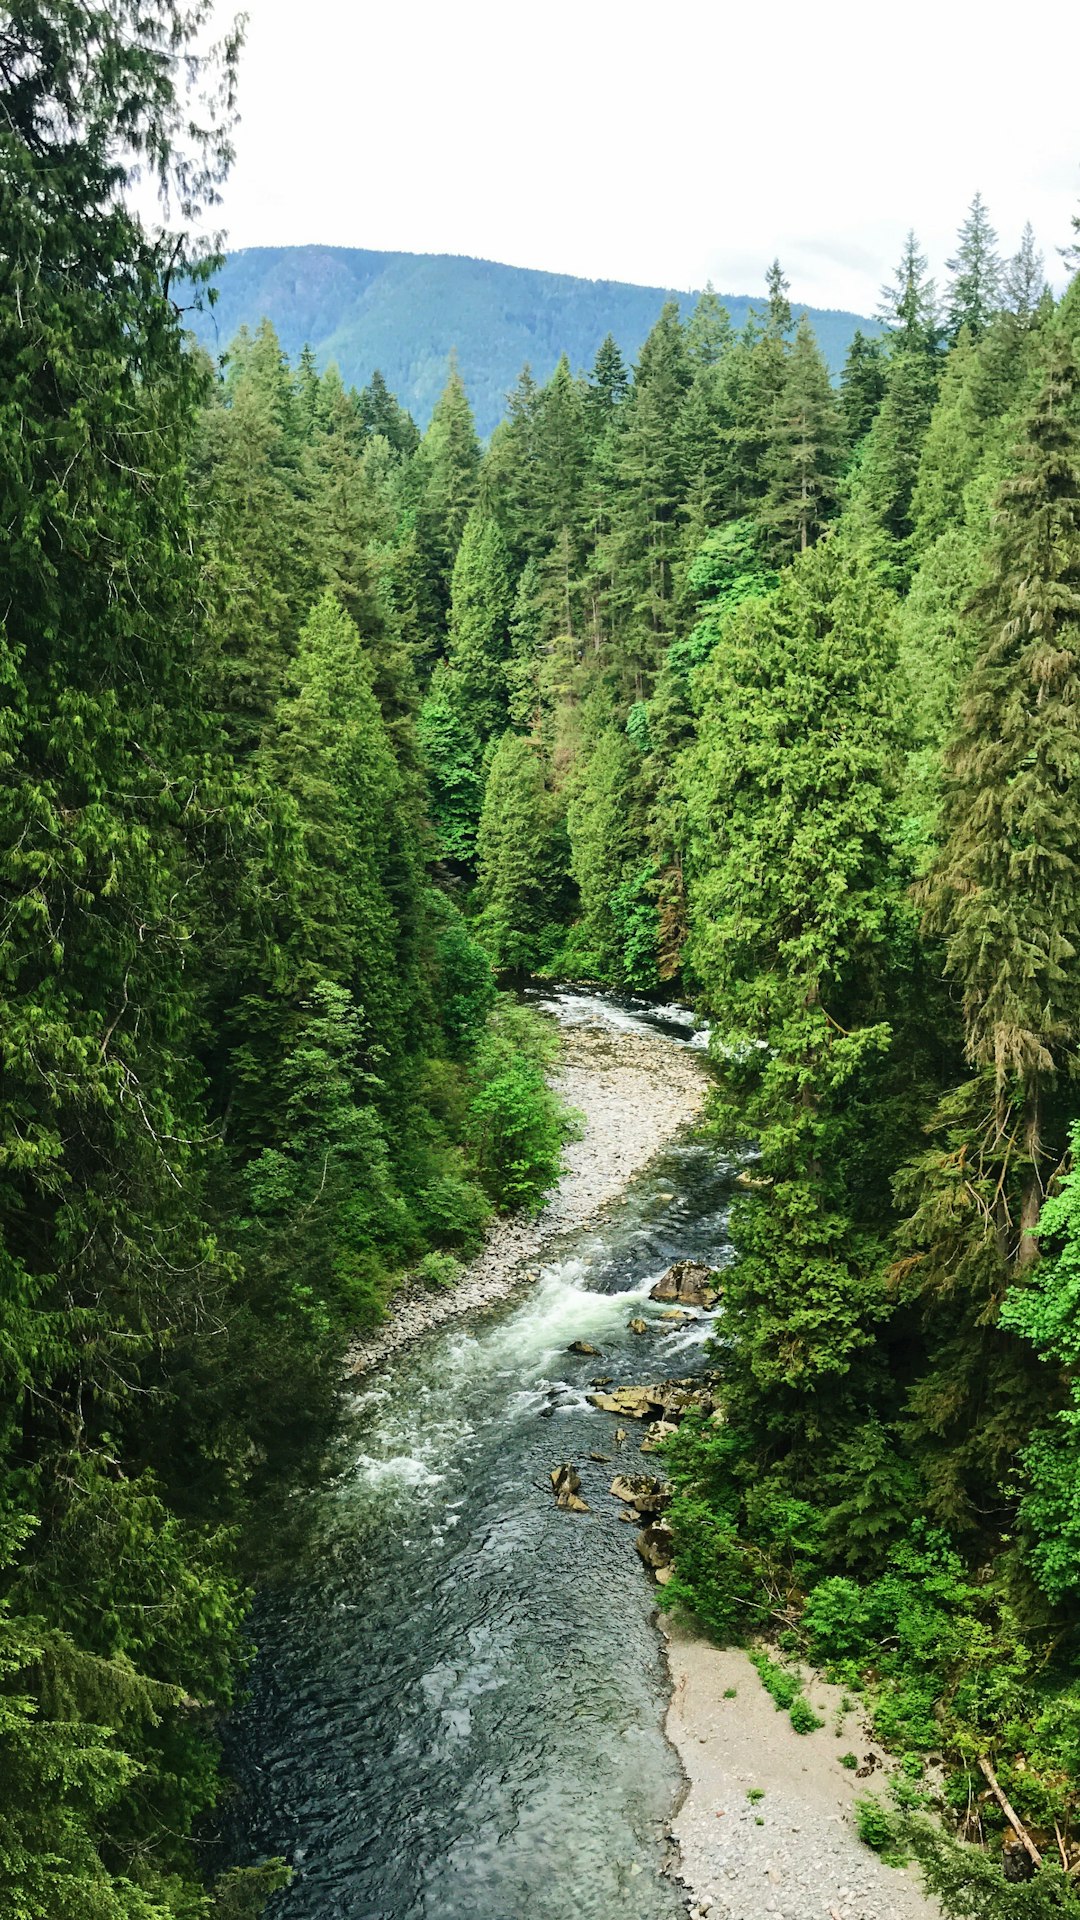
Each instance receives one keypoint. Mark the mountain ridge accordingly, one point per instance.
(405, 313)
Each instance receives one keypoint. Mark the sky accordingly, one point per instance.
(670, 143)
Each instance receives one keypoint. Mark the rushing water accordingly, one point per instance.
(457, 1709)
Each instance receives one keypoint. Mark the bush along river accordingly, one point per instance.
(457, 1709)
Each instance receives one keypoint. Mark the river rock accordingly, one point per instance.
(657, 1434)
(688, 1284)
(601, 1380)
(656, 1544)
(566, 1483)
(637, 1325)
(641, 1491)
(582, 1346)
(633, 1401)
(751, 1180)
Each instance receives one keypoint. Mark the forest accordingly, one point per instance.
(704, 676)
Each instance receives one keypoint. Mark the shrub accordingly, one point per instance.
(879, 1829)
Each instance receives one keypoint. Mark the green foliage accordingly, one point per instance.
(969, 1885)
(878, 1828)
(517, 1126)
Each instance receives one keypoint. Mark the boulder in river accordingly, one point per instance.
(656, 1544)
(633, 1401)
(641, 1491)
(688, 1284)
(567, 1482)
(638, 1325)
(582, 1346)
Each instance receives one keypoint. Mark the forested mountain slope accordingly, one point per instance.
(404, 313)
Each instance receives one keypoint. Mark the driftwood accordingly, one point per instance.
(1010, 1812)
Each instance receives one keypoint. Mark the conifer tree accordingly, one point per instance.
(1004, 898)
(643, 546)
(975, 290)
(1005, 894)
(796, 905)
(802, 456)
(1023, 281)
(520, 862)
(379, 413)
(862, 384)
(608, 383)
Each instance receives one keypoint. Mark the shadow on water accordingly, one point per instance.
(457, 1709)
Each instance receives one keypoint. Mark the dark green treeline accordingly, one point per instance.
(254, 1067)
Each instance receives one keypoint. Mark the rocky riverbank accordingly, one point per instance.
(635, 1091)
(766, 1828)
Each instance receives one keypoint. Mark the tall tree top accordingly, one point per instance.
(975, 290)
(909, 303)
(778, 287)
(1023, 280)
(708, 331)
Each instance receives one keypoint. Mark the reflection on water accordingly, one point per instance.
(457, 1709)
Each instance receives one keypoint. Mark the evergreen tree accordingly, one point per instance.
(975, 290)
(803, 454)
(520, 855)
(642, 548)
(1024, 280)
(862, 384)
(796, 906)
(1004, 897)
(380, 414)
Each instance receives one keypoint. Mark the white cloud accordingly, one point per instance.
(666, 144)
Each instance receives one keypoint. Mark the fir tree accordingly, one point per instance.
(975, 290)
(862, 384)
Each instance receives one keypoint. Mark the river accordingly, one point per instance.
(456, 1713)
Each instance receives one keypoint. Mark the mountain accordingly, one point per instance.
(406, 312)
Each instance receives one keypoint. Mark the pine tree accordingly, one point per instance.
(380, 413)
(1024, 280)
(520, 859)
(1004, 898)
(778, 318)
(643, 547)
(802, 458)
(975, 291)
(862, 384)
(795, 909)
(112, 1609)
(608, 382)
(1005, 895)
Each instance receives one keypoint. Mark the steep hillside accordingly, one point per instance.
(406, 312)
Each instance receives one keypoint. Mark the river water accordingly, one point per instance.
(456, 1713)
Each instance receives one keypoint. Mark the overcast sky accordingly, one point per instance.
(667, 143)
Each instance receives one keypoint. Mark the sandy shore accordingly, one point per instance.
(635, 1091)
(793, 1853)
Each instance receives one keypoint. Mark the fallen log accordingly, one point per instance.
(1010, 1812)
